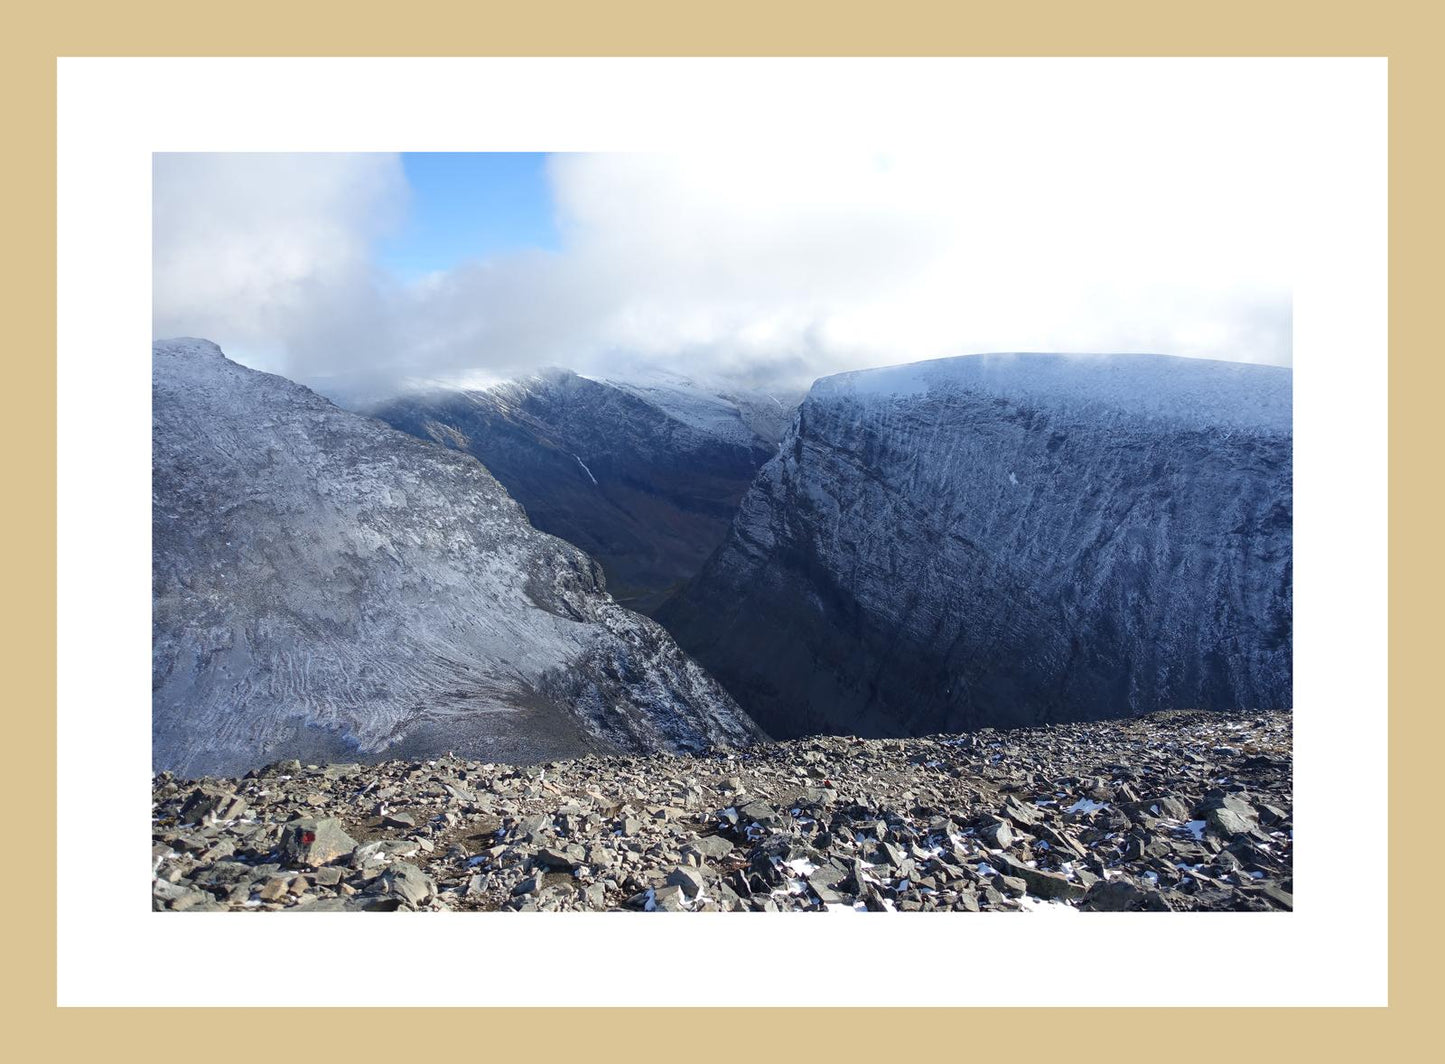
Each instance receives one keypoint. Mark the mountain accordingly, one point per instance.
(1007, 540)
(643, 474)
(328, 588)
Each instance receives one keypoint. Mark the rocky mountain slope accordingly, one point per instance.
(1007, 540)
(326, 587)
(1175, 811)
(643, 474)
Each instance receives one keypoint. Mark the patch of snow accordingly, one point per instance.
(1029, 904)
(1197, 393)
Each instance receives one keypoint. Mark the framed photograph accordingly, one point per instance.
(592, 518)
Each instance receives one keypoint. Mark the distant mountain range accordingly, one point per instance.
(1009, 540)
(643, 474)
(327, 588)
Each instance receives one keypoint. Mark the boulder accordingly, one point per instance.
(316, 842)
(1040, 883)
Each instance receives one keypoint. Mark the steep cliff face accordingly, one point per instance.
(644, 475)
(1005, 540)
(328, 588)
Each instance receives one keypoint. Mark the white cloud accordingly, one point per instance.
(270, 254)
(755, 265)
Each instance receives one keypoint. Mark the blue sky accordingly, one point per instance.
(469, 206)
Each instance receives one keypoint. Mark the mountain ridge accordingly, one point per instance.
(1008, 540)
(326, 587)
(644, 476)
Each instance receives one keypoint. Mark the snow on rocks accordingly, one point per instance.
(831, 824)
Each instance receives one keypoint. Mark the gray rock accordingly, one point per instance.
(690, 880)
(1228, 823)
(1170, 806)
(1112, 896)
(409, 883)
(276, 888)
(761, 813)
(379, 851)
(562, 859)
(890, 854)
(1041, 883)
(1023, 814)
(317, 842)
(334, 905)
(997, 834)
(712, 847)
(1279, 897)
(1060, 840)
(202, 806)
(534, 828)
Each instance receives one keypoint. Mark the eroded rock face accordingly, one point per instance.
(1007, 540)
(643, 475)
(328, 588)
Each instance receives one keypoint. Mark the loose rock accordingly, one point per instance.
(990, 820)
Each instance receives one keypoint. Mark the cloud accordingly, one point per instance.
(270, 254)
(753, 267)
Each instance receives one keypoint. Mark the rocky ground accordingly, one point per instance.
(1174, 811)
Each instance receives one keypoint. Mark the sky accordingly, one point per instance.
(369, 273)
(463, 207)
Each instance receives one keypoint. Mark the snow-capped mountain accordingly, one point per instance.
(1010, 539)
(644, 474)
(328, 588)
